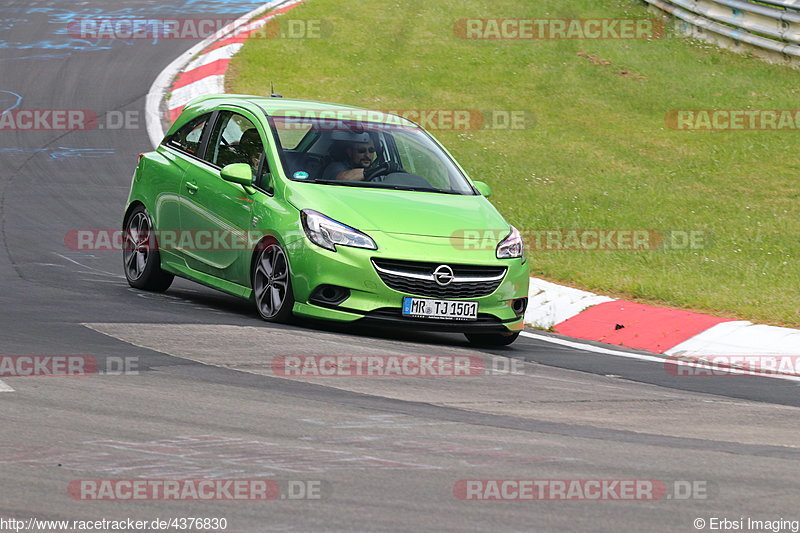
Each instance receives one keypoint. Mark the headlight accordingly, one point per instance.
(511, 246)
(327, 233)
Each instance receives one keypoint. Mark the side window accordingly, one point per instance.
(235, 139)
(189, 136)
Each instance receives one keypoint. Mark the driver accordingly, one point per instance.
(357, 157)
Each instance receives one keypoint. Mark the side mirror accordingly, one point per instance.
(240, 173)
(483, 188)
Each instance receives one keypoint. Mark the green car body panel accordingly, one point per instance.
(180, 191)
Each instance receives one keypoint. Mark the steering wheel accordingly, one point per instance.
(378, 171)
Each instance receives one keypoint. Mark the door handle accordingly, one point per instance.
(192, 188)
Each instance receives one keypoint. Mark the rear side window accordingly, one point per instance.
(188, 138)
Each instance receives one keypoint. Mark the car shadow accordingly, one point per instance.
(243, 313)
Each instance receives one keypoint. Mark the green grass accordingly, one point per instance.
(599, 155)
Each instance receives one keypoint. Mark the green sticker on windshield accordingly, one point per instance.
(300, 175)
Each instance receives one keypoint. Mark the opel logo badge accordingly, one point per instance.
(443, 275)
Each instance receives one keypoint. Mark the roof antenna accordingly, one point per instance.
(272, 91)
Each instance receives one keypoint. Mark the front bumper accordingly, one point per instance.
(371, 299)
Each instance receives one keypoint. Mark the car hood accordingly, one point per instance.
(393, 211)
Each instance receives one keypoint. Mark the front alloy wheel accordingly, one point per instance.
(272, 286)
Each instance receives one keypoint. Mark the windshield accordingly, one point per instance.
(365, 154)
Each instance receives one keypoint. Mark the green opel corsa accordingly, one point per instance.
(324, 211)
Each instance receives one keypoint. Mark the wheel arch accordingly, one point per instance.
(133, 205)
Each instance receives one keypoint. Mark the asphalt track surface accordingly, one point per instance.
(205, 403)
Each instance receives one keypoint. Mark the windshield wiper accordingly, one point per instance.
(417, 189)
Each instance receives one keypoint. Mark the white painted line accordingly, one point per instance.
(593, 348)
(642, 357)
(155, 129)
(92, 270)
(5, 388)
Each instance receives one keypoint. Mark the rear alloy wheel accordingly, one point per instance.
(141, 260)
(272, 286)
(492, 339)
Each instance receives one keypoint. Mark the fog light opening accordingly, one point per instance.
(519, 306)
(329, 295)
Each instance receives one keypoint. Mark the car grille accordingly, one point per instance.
(417, 278)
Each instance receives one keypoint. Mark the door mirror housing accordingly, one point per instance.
(483, 188)
(239, 173)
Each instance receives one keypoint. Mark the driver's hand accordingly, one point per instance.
(356, 174)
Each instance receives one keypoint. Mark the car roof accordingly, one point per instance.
(291, 106)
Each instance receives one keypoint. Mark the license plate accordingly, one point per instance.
(440, 309)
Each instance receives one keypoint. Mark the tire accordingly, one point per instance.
(272, 284)
(140, 258)
(492, 339)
